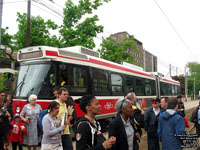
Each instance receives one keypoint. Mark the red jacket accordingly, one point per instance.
(16, 134)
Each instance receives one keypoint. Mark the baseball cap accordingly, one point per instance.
(156, 100)
(16, 116)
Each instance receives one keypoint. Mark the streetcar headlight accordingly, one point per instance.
(18, 109)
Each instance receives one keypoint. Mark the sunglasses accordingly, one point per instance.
(154, 102)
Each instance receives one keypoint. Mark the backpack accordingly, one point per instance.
(41, 116)
(194, 117)
(100, 137)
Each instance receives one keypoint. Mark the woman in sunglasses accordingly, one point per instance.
(123, 128)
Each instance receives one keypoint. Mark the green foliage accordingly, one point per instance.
(75, 29)
(194, 76)
(6, 40)
(181, 79)
(40, 32)
(3, 78)
(118, 52)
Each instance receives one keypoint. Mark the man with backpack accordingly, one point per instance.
(198, 123)
(195, 118)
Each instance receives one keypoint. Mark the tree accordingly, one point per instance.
(75, 29)
(194, 76)
(181, 79)
(40, 32)
(117, 52)
(7, 43)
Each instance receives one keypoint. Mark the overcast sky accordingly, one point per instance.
(142, 18)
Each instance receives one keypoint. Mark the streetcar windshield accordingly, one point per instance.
(37, 79)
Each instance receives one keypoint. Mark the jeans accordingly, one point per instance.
(67, 142)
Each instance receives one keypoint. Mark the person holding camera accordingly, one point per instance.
(5, 126)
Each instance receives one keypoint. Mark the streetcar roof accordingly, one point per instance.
(82, 56)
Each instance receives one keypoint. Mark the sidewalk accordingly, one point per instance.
(191, 104)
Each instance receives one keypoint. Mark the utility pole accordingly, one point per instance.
(186, 84)
(1, 11)
(28, 29)
(170, 70)
(194, 89)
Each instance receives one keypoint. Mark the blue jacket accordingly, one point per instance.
(42, 114)
(159, 131)
(171, 123)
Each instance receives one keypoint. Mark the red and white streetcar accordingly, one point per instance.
(84, 72)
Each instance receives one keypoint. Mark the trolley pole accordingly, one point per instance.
(1, 11)
(28, 24)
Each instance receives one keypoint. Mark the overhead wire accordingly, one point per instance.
(56, 9)
(48, 7)
(176, 31)
(48, 12)
(56, 4)
(5, 2)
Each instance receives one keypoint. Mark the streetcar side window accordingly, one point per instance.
(173, 90)
(139, 89)
(77, 79)
(74, 78)
(169, 89)
(166, 89)
(153, 87)
(148, 89)
(100, 82)
(116, 84)
(129, 84)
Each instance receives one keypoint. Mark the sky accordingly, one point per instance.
(169, 29)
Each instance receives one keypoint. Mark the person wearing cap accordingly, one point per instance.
(151, 124)
(16, 134)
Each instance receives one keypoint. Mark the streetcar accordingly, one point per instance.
(84, 72)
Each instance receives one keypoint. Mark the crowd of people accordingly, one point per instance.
(52, 127)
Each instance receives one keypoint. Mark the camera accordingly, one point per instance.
(2, 112)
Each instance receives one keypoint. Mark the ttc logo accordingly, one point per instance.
(108, 105)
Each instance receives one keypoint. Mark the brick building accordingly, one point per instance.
(143, 58)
